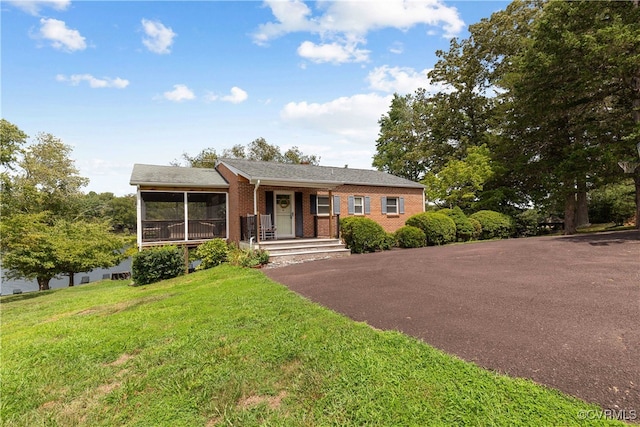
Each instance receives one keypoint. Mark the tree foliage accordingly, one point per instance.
(45, 179)
(258, 149)
(48, 227)
(551, 88)
(459, 181)
(37, 246)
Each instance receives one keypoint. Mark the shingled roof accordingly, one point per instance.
(329, 176)
(176, 176)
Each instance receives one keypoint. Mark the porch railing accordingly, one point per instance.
(174, 230)
(248, 227)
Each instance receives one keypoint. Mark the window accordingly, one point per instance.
(358, 205)
(323, 205)
(392, 205)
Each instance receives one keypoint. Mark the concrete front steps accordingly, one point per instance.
(295, 250)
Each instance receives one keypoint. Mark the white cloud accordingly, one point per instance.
(179, 93)
(106, 82)
(397, 48)
(33, 7)
(60, 36)
(159, 38)
(291, 16)
(332, 52)
(237, 96)
(357, 18)
(355, 117)
(402, 80)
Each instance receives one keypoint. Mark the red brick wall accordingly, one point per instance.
(241, 203)
(413, 204)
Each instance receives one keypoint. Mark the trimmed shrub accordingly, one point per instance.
(155, 264)
(494, 224)
(362, 235)
(409, 236)
(212, 253)
(438, 228)
(464, 228)
(477, 228)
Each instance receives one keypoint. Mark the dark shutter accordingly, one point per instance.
(269, 201)
(350, 205)
(299, 215)
(336, 205)
(313, 205)
(367, 205)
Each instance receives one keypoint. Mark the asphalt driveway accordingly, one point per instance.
(562, 311)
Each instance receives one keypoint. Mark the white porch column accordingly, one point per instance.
(139, 212)
(186, 217)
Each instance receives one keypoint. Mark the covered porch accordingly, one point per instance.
(181, 217)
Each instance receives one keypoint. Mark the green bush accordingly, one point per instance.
(464, 228)
(247, 257)
(362, 235)
(438, 228)
(212, 253)
(410, 237)
(494, 224)
(477, 228)
(527, 223)
(155, 264)
(612, 203)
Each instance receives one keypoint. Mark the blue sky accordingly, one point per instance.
(126, 82)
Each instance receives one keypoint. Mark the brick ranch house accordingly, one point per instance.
(187, 206)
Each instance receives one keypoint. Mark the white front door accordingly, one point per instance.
(285, 215)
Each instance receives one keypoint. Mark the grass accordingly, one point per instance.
(597, 228)
(229, 347)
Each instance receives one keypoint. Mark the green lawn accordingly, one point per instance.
(228, 346)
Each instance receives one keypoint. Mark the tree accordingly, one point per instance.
(569, 109)
(294, 156)
(119, 210)
(400, 145)
(458, 183)
(11, 141)
(36, 246)
(47, 179)
(82, 246)
(204, 159)
(258, 149)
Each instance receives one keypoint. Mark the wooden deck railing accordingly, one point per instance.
(174, 230)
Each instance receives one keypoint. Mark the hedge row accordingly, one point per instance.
(362, 234)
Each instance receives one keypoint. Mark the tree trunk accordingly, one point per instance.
(71, 278)
(570, 213)
(582, 210)
(43, 283)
